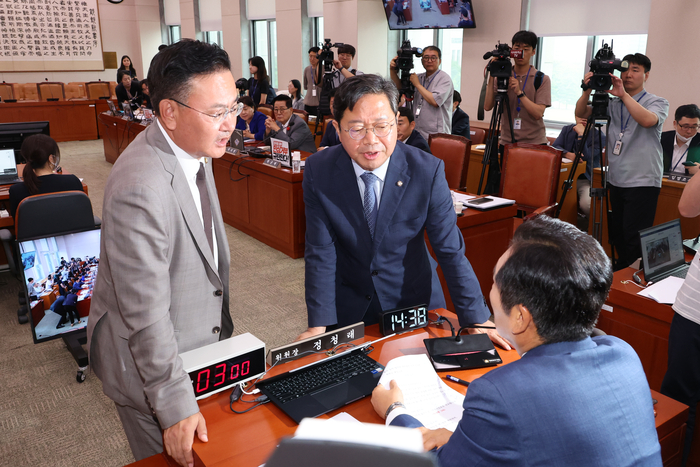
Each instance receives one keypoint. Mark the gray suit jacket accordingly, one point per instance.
(158, 292)
(298, 136)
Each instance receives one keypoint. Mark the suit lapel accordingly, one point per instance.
(395, 186)
(349, 197)
(183, 195)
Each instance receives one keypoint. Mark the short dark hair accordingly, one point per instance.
(315, 49)
(144, 81)
(283, 98)
(120, 75)
(347, 49)
(161, 47)
(405, 112)
(688, 111)
(434, 48)
(174, 67)
(525, 37)
(563, 288)
(456, 97)
(352, 90)
(639, 59)
(248, 101)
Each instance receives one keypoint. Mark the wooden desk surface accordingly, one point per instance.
(69, 120)
(248, 439)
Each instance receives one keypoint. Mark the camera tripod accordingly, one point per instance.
(501, 100)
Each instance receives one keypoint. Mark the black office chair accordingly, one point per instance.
(54, 214)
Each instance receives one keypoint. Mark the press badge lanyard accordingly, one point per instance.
(618, 144)
(252, 94)
(426, 88)
(681, 158)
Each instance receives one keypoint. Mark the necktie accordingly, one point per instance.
(206, 204)
(369, 204)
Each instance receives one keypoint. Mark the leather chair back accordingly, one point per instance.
(27, 92)
(97, 89)
(6, 91)
(113, 89)
(49, 90)
(303, 114)
(454, 150)
(81, 88)
(44, 215)
(73, 92)
(478, 135)
(530, 175)
(266, 109)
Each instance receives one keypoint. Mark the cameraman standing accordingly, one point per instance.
(529, 93)
(634, 154)
(432, 104)
(343, 65)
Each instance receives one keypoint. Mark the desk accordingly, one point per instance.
(68, 120)
(257, 433)
(666, 210)
(117, 134)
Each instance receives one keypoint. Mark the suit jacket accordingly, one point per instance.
(566, 404)
(667, 147)
(417, 141)
(345, 266)
(159, 292)
(298, 135)
(460, 124)
(330, 136)
(120, 91)
(257, 125)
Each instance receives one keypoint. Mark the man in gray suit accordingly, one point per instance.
(289, 127)
(164, 266)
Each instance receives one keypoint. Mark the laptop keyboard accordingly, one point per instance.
(324, 375)
(682, 273)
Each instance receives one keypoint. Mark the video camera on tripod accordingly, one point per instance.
(326, 56)
(404, 63)
(501, 68)
(602, 66)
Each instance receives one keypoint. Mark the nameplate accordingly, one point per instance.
(318, 343)
(272, 163)
(679, 177)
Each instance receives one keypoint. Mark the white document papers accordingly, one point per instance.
(349, 430)
(664, 291)
(479, 203)
(426, 396)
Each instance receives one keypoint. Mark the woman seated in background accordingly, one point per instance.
(42, 157)
(127, 67)
(250, 120)
(294, 88)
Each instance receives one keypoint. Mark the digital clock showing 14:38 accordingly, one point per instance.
(403, 319)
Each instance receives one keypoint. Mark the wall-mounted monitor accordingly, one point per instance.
(429, 14)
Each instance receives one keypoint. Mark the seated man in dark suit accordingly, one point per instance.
(330, 136)
(289, 127)
(682, 144)
(127, 90)
(406, 131)
(460, 119)
(571, 400)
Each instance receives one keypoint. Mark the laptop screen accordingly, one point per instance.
(662, 247)
(8, 165)
(59, 267)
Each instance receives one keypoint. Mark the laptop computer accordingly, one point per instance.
(325, 385)
(662, 251)
(8, 167)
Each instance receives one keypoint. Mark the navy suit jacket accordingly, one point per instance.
(257, 125)
(460, 124)
(417, 141)
(345, 266)
(330, 136)
(667, 147)
(567, 404)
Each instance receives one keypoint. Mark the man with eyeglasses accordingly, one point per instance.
(682, 145)
(289, 127)
(432, 101)
(369, 202)
(163, 286)
(634, 155)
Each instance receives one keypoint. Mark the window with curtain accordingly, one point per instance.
(174, 34)
(265, 46)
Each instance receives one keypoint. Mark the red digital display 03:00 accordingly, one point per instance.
(225, 373)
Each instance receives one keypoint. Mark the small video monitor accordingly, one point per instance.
(59, 274)
(113, 108)
(128, 113)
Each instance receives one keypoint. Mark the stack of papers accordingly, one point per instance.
(664, 291)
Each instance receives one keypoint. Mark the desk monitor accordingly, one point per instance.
(73, 257)
(13, 134)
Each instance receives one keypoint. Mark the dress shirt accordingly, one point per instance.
(286, 124)
(380, 172)
(190, 166)
(680, 155)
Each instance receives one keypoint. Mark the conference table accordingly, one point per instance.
(117, 133)
(247, 440)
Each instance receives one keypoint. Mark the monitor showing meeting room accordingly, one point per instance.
(433, 14)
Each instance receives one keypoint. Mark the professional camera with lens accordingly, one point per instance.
(404, 63)
(602, 66)
(326, 56)
(241, 86)
(501, 68)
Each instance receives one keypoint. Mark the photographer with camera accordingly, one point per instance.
(343, 65)
(313, 82)
(529, 93)
(633, 153)
(434, 89)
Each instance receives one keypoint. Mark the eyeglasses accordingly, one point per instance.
(690, 127)
(430, 58)
(359, 132)
(280, 110)
(220, 116)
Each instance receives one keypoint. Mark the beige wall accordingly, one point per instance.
(231, 24)
(290, 52)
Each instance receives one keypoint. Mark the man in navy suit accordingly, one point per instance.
(406, 131)
(369, 202)
(571, 400)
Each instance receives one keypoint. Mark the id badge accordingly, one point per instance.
(418, 111)
(618, 148)
(517, 123)
(313, 92)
